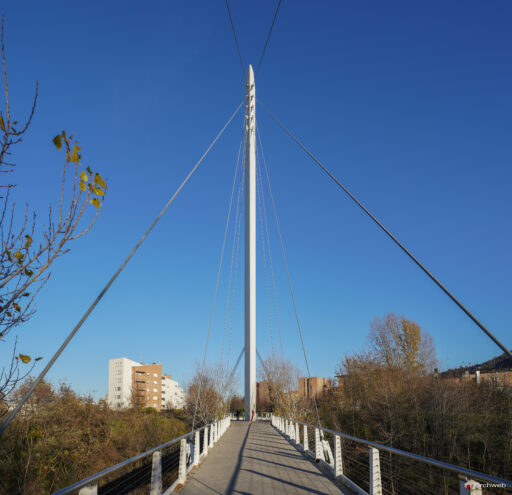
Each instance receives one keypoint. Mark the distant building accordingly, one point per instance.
(263, 401)
(313, 387)
(499, 378)
(120, 382)
(129, 380)
(173, 396)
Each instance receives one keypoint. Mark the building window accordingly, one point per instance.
(117, 389)
(155, 375)
(155, 406)
(118, 380)
(118, 396)
(155, 382)
(118, 372)
(155, 397)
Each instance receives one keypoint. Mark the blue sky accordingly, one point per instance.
(408, 103)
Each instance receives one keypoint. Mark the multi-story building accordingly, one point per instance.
(120, 382)
(313, 387)
(130, 381)
(147, 385)
(173, 396)
(263, 401)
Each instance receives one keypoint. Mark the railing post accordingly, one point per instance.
(319, 448)
(156, 474)
(305, 436)
(292, 432)
(90, 489)
(182, 471)
(297, 434)
(470, 487)
(211, 435)
(375, 481)
(338, 461)
(205, 441)
(214, 428)
(197, 448)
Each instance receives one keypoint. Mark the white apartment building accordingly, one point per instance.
(147, 382)
(120, 382)
(173, 396)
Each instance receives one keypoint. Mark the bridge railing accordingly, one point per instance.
(262, 416)
(159, 470)
(371, 468)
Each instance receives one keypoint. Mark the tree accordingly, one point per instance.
(25, 261)
(282, 377)
(401, 343)
(209, 394)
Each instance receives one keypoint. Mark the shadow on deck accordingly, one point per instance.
(254, 458)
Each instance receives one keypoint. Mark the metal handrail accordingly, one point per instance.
(101, 474)
(433, 462)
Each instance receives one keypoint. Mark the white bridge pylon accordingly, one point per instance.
(250, 245)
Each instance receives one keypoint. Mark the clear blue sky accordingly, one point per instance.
(408, 103)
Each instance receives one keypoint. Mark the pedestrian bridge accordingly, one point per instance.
(274, 455)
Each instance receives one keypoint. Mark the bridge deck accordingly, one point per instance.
(254, 459)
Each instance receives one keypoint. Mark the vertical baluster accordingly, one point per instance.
(205, 441)
(475, 488)
(338, 460)
(156, 474)
(90, 489)
(319, 450)
(306, 440)
(197, 449)
(375, 481)
(182, 471)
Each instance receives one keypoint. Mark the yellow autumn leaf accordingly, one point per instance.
(99, 181)
(84, 176)
(82, 186)
(26, 359)
(98, 191)
(17, 307)
(95, 202)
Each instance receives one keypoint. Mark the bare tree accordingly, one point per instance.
(401, 343)
(209, 393)
(25, 262)
(282, 377)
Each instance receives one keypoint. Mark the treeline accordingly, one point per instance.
(390, 394)
(61, 437)
(455, 421)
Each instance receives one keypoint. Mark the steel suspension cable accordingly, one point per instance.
(235, 38)
(390, 235)
(217, 282)
(259, 190)
(232, 256)
(36, 382)
(237, 253)
(289, 279)
(274, 289)
(268, 38)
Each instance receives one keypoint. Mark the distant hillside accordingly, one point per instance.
(498, 363)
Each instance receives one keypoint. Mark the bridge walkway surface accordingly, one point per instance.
(255, 458)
